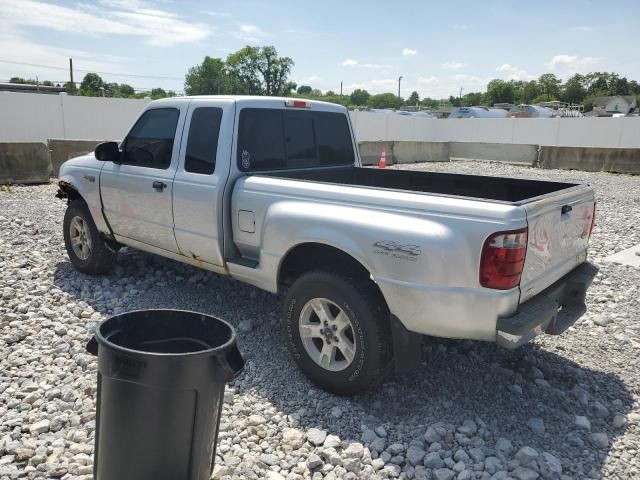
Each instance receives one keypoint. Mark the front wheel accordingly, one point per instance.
(85, 247)
(337, 330)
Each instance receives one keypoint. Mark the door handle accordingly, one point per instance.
(566, 209)
(159, 185)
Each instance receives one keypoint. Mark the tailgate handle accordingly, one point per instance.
(566, 209)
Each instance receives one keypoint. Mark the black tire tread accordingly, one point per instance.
(102, 259)
(380, 363)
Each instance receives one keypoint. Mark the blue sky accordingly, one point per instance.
(438, 47)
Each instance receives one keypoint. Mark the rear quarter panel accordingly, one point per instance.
(423, 251)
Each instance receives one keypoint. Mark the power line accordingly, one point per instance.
(129, 75)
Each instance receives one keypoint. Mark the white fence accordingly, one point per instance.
(32, 117)
(29, 117)
(562, 132)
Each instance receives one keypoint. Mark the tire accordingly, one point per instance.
(367, 339)
(94, 257)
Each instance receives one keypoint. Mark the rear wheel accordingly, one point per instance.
(337, 330)
(86, 248)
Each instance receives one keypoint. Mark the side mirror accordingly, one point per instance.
(108, 152)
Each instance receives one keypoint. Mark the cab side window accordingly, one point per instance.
(202, 143)
(150, 142)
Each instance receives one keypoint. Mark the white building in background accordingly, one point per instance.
(616, 104)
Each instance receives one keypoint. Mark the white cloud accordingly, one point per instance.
(216, 14)
(582, 28)
(453, 65)
(18, 49)
(114, 17)
(514, 72)
(249, 33)
(408, 52)
(349, 62)
(570, 64)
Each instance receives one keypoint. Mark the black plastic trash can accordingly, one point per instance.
(161, 378)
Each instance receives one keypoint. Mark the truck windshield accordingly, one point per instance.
(276, 139)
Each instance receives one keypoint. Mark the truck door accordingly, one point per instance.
(199, 182)
(136, 194)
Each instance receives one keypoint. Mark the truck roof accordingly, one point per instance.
(255, 101)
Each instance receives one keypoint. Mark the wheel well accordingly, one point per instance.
(68, 191)
(314, 256)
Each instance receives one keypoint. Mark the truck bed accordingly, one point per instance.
(511, 190)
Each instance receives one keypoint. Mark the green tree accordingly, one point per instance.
(70, 88)
(359, 96)
(259, 71)
(385, 100)
(499, 91)
(125, 90)
(304, 89)
(530, 91)
(573, 90)
(414, 99)
(92, 85)
(550, 85)
(472, 99)
(208, 78)
(158, 93)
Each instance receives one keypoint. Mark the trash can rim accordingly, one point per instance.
(103, 341)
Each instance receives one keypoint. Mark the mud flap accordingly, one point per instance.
(407, 346)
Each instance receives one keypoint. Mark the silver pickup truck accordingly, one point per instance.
(271, 191)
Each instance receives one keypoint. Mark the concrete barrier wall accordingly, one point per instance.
(615, 160)
(502, 152)
(24, 162)
(404, 152)
(62, 150)
(568, 132)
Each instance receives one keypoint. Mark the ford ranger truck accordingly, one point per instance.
(271, 192)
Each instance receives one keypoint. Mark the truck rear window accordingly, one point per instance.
(276, 139)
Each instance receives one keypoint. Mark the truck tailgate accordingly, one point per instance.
(559, 228)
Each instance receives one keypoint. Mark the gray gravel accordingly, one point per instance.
(561, 407)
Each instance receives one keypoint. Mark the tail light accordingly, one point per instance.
(593, 220)
(502, 259)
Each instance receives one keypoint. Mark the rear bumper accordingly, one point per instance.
(552, 311)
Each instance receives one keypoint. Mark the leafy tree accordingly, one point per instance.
(259, 71)
(499, 91)
(330, 93)
(429, 102)
(530, 91)
(455, 101)
(472, 99)
(550, 85)
(125, 90)
(304, 89)
(414, 99)
(208, 78)
(573, 90)
(70, 88)
(359, 96)
(385, 100)
(158, 93)
(92, 85)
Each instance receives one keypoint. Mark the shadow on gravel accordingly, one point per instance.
(459, 379)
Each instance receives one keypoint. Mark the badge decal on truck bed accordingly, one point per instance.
(404, 252)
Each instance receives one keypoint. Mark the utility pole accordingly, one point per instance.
(399, 80)
(340, 87)
(73, 85)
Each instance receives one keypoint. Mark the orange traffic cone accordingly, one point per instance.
(383, 159)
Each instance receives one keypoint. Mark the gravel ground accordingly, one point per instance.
(561, 407)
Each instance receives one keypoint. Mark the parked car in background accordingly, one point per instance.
(478, 112)
(271, 191)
